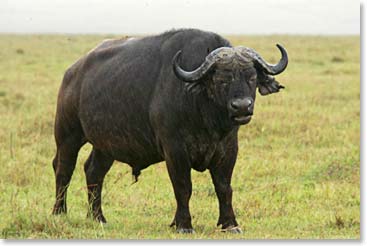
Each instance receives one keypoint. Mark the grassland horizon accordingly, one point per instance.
(297, 174)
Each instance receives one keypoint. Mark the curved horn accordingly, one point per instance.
(192, 76)
(270, 68)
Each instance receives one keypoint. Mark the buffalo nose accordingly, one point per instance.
(242, 105)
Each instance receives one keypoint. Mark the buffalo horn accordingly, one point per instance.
(195, 75)
(269, 68)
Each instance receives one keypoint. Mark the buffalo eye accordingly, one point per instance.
(252, 80)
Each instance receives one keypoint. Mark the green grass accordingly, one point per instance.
(297, 174)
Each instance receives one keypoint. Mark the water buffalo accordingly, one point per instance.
(179, 97)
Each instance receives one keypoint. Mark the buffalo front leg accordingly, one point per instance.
(180, 175)
(96, 168)
(221, 175)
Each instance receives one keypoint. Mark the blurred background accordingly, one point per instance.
(327, 17)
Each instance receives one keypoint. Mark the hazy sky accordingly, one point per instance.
(153, 16)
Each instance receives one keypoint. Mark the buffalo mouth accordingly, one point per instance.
(241, 119)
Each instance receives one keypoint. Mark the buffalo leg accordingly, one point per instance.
(180, 175)
(63, 165)
(221, 175)
(96, 168)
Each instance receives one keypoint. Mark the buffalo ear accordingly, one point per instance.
(194, 87)
(268, 85)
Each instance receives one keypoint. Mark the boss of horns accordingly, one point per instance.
(244, 56)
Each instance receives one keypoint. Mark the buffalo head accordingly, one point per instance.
(231, 75)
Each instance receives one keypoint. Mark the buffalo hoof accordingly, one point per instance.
(58, 210)
(232, 229)
(99, 218)
(185, 231)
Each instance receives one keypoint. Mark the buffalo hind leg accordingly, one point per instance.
(96, 168)
(64, 165)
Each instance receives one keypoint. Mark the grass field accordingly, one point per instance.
(297, 173)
